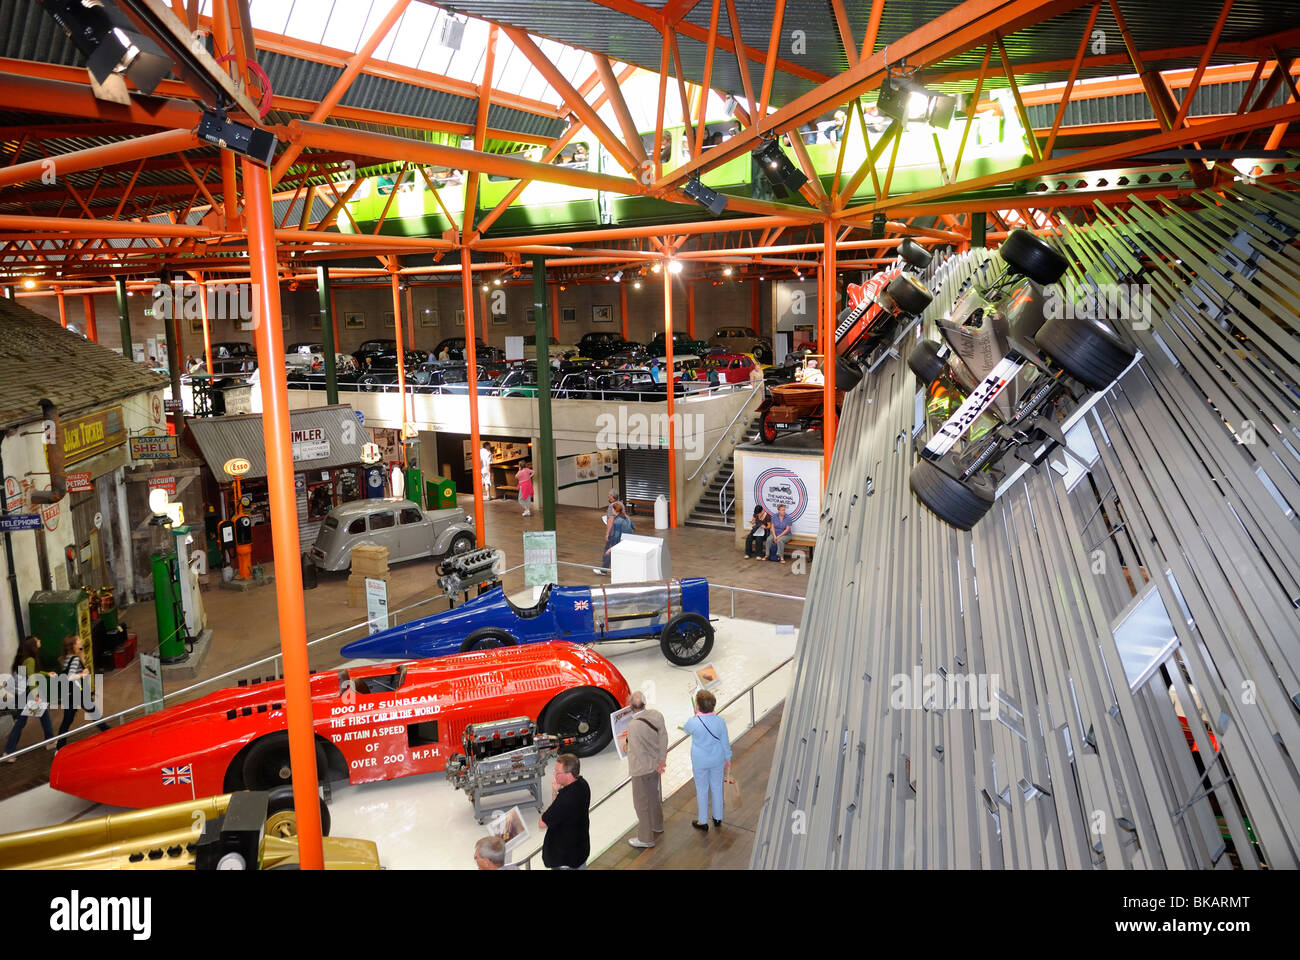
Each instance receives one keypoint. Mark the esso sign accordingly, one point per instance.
(370, 453)
(237, 466)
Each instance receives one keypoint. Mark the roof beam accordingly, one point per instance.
(480, 128)
(614, 93)
(107, 155)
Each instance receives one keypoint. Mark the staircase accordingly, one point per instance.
(706, 512)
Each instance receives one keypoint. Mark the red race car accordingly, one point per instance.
(372, 723)
(873, 309)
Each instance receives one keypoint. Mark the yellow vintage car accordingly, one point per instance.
(166, 838)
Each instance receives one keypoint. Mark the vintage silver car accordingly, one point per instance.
(400, 525)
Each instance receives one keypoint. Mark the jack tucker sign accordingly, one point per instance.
(94, 433)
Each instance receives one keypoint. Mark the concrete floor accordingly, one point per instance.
(243, 632)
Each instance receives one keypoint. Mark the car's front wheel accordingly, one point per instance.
(580, 714)
(687, 639)
(1085, 348)
(960, 504)
(488, 638)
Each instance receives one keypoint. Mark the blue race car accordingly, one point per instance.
(676, 611)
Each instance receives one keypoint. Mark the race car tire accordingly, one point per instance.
(1085, 348)
(914, 254)
(847, 375)
(956, 503)
(767, 432)
(488, 638)
(461, 543)
(266, 764)
(282, 817)
(925, 362)
(581, 713)
(1025, 253)
(909, 293)
(687, 639)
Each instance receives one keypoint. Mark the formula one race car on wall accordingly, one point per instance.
(875, 309)
(372, 723)
(675, 611)
(1014, 369)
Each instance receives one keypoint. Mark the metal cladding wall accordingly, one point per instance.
(1012, 697)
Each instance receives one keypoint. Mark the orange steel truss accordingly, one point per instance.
(148, 177)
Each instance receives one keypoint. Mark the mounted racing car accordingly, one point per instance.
(372, 723)
(997, 336)
(874, 310)
(675, 611)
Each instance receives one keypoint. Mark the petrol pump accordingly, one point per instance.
(169, 538)
(240, 529)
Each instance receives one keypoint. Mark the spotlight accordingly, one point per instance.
(110, 43)
(656, 268)
(762, 278)
(904, 98)
(618, 277)
(636, 285)
(256, 144)
(497, 282)
(485, 288)
(29, 284)
(713, 201)
(674, 266)
(726, 271)
(776, 166)
(878, 226)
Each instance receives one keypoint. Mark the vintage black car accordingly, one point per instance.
(682, 344)
(601, 344)
(456, 350)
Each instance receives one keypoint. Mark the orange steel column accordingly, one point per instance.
(827, 337)
(672, 431)
(690, 308)
(207, 332)
(88, 306)
(63, 308)
(401, 356)
(284, 511)
(555, 310)
(622, 306)
(471, 361)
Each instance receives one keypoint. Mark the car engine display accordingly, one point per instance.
(501, 757)
(997, 336)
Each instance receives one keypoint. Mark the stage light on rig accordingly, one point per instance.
(784, 176)
(706, 197)
(674, 266)
(904, 98)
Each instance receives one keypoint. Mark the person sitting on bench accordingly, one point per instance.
(781, 534)
(759, 526)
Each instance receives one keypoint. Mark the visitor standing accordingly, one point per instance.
(485, 471)
(566, 821)
(619, 525)
(710, 757)
(25, 673)
(647, 759)
(524, 478)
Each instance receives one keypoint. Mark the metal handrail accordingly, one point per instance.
(723, 505)
(526, 862)
(725, 433)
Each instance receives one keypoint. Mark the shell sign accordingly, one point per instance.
(237, 466)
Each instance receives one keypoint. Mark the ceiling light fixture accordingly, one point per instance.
(904, 98)
(776, 166)
(674, 266)
(706, 197)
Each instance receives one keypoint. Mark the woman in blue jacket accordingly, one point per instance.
(710, 757)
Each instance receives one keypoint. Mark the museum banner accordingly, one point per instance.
(778, 480)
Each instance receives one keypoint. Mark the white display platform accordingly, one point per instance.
(422, 823)
(638, 559)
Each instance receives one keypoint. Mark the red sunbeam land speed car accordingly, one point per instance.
(372, 723)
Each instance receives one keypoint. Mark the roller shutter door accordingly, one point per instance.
(645, 474)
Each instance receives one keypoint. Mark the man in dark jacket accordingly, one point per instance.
(568, 842)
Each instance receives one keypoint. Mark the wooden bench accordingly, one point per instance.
(796, 543)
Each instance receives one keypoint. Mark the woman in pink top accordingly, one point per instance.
(525, 480)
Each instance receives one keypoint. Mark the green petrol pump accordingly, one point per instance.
(167, 529)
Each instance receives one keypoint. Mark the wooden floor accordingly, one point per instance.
(682, 847)
(243, 624)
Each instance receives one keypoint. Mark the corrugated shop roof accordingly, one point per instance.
(39, 358)
(221, 438)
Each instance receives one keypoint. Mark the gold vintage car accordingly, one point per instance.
(167, 838)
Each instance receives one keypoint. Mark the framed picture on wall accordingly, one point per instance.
(354, 321)
(602, 314)
(313, 322)
(569, 315)
(286, 321)
(388, 319)
(428, 317)
(500, 318)
(530, 317)
(196, 324)
(460, 318)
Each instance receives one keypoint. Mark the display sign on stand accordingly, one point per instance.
(540, 565)
(151, 682)
(377, 604)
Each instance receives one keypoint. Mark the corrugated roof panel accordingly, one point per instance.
(1211, 100)
(221, 438)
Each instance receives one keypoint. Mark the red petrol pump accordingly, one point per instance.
(240, 528)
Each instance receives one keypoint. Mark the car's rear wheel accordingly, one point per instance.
(687, 639)
(913, 253)
(583, 715)
(1025, 253)
(461, 543)
(909, 293)
(1085, 348)
(282, 816)
(925, 362)
(956, 503)
(266, 764)
(767, 431)
(847, 374)
(488, 638)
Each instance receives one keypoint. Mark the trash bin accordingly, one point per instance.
(661, 512)
(308, 572)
